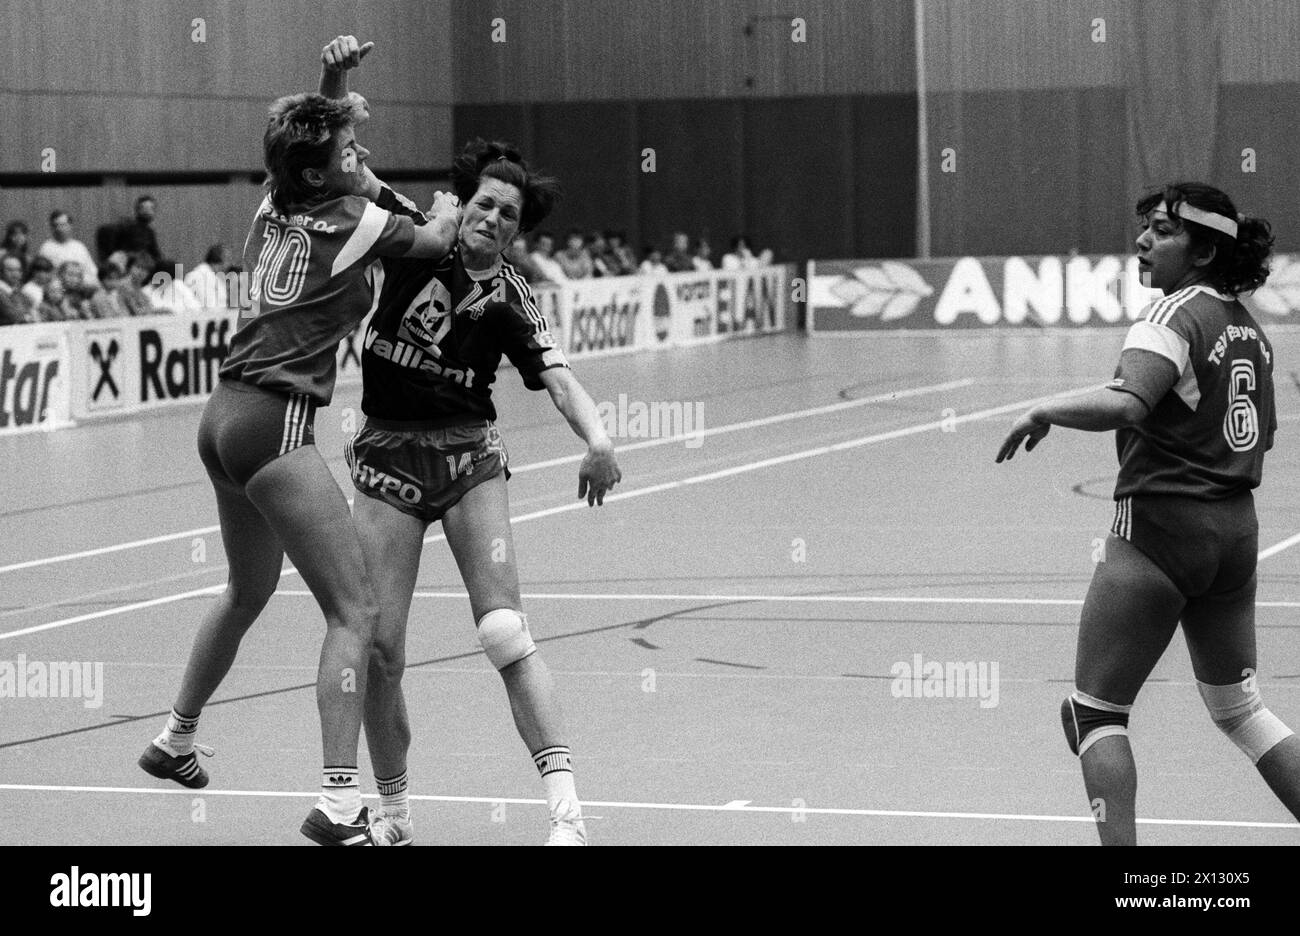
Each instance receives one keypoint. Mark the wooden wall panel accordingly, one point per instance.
(576, 50)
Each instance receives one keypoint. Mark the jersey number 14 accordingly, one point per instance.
(1241, 423)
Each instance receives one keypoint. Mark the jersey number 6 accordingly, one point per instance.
(1241, 423)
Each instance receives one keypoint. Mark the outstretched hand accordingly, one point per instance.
(344, 52)
(598, 473)
(1026, 427)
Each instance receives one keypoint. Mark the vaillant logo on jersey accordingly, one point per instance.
(427, 319)
(404, 354)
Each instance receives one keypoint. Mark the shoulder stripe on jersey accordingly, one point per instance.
(367, 231)
(525, 294)
(375, 277)
(1164, 309)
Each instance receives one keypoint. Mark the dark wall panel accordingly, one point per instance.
(799, 176)
(593, 149)
(1036, 172)
(698, 186)
(1257, 117)
(884, 176)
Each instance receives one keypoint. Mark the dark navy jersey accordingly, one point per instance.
(431, 350)
(1205, 369)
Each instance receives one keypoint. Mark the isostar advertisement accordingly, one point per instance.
(976, 292)
(35, 384)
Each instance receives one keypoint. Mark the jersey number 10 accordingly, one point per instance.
(1241, 423)
(281, 267)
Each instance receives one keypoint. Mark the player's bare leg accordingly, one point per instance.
(1128, 619)
(303, 503)
(392, 543)
(478, 532)
(254, 558)
(1220, 633)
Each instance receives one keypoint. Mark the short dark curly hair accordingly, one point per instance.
(497, 160)
(1240, 265)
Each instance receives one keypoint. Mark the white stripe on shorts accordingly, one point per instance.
(293, 422)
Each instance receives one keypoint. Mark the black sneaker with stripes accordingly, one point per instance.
(185, 769)
(320, 829)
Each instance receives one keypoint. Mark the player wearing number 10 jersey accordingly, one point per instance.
(313, 237)
(1193, 403)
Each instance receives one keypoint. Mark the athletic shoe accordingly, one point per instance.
(566, 825)
(392, 830)
(324, 831)
(185, 769)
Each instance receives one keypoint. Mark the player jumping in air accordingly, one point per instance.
(312, 239)
(1192, 401)
(430, 451)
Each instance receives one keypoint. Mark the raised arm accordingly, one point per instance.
(339, 55)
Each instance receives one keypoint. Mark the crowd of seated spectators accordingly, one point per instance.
(608, 254)
(63, 282)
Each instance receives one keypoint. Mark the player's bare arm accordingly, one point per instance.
(599, 471)
(1099, 411)
(339, 56)
(437, 237)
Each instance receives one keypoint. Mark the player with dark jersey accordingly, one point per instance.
(312, 239)
(1193, 405)
(430, 450)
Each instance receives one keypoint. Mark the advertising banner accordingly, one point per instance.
(35, 384)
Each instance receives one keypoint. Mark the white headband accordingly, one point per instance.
(1208, 218)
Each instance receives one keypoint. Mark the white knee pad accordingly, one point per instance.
(1241, 715)
(504, 636)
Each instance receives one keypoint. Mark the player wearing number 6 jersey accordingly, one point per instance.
(313, 237)
(1192, 401)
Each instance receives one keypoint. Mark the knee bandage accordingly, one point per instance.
(504, 636)
(1240, 714)
(1087, 720)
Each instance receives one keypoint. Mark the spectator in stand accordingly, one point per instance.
(14, 306)
(39, 275)
(543, 258)
(108, 302)
(653, 264)
(131, 290)
(517, 255)
(207, 281)
(679, 259)
(700, 259)
(168, 295)
(574, 259)
(134, 235)
(741, 256)
(16, 244)
(54, 305)
(62, 247)
(597, 249)
(76, 293)
(620, 258)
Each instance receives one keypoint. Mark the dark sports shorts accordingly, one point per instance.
(245, 427)
(1205, 547)
(424, 472)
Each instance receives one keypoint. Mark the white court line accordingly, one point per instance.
(735, 806)
(812, 599)
(1278, 547)
(941, 424)
(536, 466)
